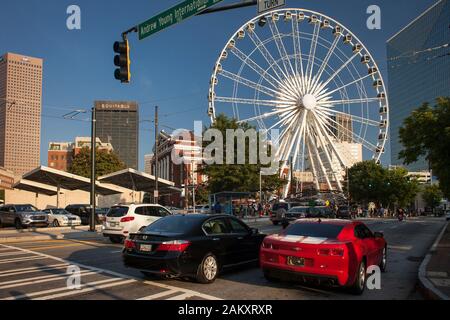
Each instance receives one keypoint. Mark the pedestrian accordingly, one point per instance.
(260, 209)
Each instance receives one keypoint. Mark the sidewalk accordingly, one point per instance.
(39, 234)
(434, 272)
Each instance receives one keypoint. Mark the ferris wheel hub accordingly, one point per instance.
(309, 102)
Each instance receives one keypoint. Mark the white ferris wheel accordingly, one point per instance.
(311, 78)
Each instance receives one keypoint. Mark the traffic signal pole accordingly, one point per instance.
(156, 192)
(93, 145)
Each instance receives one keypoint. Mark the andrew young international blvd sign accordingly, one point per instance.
(173, 15)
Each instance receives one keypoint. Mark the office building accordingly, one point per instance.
(20, 112)
(418, 69)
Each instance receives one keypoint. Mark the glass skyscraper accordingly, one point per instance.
(118, 124)
(418, 70)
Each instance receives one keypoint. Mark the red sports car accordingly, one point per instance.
(330, 251)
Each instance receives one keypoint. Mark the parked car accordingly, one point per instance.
(101, 213)
(279, 209)
(205, 209)
(331, 251)
(84, 212)
(58, 217)
(344, 212)
(197, 246)
(122, 220)
(22, 215)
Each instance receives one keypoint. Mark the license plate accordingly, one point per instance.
(295, 261)
(145, 247)
(113, 224)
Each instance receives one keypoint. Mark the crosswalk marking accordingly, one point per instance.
(75, 292)
(181, 296)
(62, 275)
(21, 259)
(15, 253)
(44, 292)
(31, 269)
(159, 295)
(54, 278)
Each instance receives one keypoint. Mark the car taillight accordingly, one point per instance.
(337, 252)
(323, 252)
(331, 252)
(129, 244)
(175, 245)
(127, 219)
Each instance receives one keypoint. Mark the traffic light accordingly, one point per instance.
(122, 60)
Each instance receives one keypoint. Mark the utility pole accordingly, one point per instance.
(193, 186)
(348, 189)
(93, 145)
(156, 192)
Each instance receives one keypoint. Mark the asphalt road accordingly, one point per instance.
(37, 270)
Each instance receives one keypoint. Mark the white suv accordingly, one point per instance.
(121, 220)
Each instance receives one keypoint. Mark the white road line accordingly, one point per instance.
(14, 253)
(55, 278)
(77, 292)
(31, 269)
(21, 259)
(38, 269)
(44, 292)
(113, 273)
(181, 296)
(159, 295)
(401, 248)
(60, 275)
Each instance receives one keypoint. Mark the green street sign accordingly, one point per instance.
(173, 15)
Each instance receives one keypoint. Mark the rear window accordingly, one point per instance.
(116, 212)
(173, 224)
(319, 230)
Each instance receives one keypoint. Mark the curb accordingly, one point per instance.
(429, 290)
(86, 235)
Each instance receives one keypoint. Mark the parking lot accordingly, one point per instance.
(38, 270)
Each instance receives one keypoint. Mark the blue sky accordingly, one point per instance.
(171, 68)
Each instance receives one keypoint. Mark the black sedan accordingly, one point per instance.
(195, 246)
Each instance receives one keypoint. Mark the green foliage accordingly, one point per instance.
(106, 163)
(432, 195)
(370, 182)
(236, 177)
(426, 132)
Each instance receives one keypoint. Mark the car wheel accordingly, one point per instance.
(360, 281)
(18, 224)
(116, 239)
(55, 223)
(383, 262)
(275, 223)
(208, 269)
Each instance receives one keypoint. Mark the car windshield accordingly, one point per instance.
(26, 208)
(60, 211)
(319, 230)
(178, 224)
(116, 212)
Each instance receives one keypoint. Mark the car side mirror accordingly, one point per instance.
(378, 235)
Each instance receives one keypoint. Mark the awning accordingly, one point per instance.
(139, 181)
(69, 181)
(35, 187)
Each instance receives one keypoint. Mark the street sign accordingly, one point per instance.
(267, 5)
(155, 193)
(173, 15)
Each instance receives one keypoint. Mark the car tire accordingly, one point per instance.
(208, 269)
(116, 239)
(383, 263)
(18, 224)
(55, 223)
(360, 281)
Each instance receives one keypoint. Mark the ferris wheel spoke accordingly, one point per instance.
(319, 159)
(312, 53)
(267, 56)
(281, 48)
(331, 111)
(257, 68)
(267, 103)
(323, 85)
(325, 61)
(300, 137)
(253, 85)
(266, 115)
(313, 166)
(325, 93)
(347, 101)
(297, 47)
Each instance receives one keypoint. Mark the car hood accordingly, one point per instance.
(32, 213)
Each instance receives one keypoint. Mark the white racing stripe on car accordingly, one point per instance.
(46, 292)
(314, 240)
(40, 255)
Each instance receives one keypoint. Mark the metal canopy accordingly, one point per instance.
(65, 180)
(139, 181)
(35, 187)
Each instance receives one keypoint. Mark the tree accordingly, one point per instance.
(236, 177)
(432, 195)
(105, 163)
(426, 133)
(400, 190)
